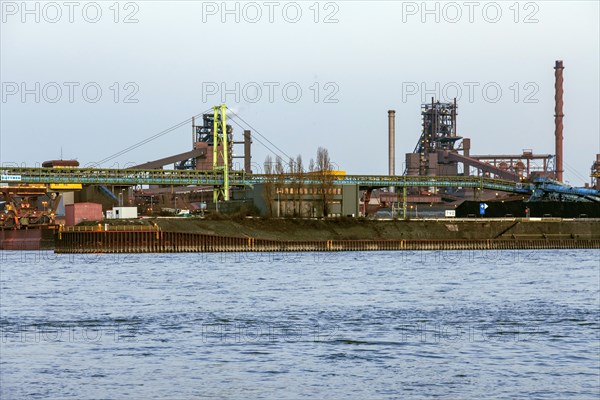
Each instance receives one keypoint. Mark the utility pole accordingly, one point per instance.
(404, 197)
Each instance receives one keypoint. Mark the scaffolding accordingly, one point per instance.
(439, 131)
(221, 144)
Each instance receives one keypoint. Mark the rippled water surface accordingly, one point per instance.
(501, 324)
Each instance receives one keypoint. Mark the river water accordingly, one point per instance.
(464, 324)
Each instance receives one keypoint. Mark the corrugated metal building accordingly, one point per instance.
(78, 212)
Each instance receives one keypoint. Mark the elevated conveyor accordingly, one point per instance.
(211, 178)
(485, 167)
(196, 153)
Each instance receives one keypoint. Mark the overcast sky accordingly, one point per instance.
(162, 62)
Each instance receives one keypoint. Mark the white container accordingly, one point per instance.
(124, 212)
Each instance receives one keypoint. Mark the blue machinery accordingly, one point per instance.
(553, 190)
(539, 189)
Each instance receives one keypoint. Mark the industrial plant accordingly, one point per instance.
(443, 177)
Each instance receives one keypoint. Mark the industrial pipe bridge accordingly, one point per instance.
(133, 177)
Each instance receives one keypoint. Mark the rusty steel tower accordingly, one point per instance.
(558, 120)
(439, 132)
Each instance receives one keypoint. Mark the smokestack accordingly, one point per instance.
(391, 144)
(558, 119)
(247, 151)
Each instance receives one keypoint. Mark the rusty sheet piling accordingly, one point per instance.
(156, 241)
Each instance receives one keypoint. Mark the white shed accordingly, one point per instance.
(123, 212)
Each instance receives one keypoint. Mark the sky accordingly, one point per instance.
(87, 79)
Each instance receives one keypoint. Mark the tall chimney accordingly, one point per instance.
(558, 119)
(391, 144)
(247, 151)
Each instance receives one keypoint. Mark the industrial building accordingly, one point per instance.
(442, 151)
(441, 172)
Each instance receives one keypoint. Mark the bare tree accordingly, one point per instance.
(279, 182)
(291, 198)
(299, 182)
(323, 161)
(294, 179)
(269, 184)
(299, 163)
(268, 165)
(324, 171)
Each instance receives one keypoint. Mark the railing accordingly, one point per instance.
(110, 228)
